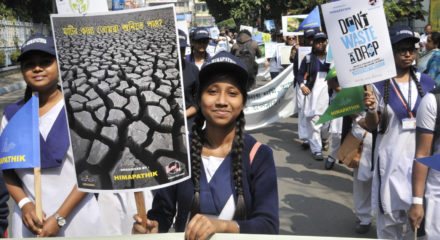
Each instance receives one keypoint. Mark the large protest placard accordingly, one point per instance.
(358, 33)
(271, 102)
(123, 94)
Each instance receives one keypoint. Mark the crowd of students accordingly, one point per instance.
(399, 124)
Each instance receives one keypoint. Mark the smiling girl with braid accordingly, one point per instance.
(392, 113)
(233, 187)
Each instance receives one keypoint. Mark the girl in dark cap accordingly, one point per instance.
(233, 187)
(67, 211)
(392, 114)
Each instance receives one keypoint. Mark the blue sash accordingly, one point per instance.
(215, 194)
(54, 148)
(394, 101)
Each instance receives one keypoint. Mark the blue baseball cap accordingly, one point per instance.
(201, 33)
(191, 33)
(38, 42)
(182, 39)
(309, 33)
(228, 63)
(320, 35)
(400, 33)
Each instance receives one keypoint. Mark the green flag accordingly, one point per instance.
(348, 101)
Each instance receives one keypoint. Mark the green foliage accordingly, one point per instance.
(404, 9)
(245, 12)
(228, 23)
(26, 10)
(2, 58)
(14, 56)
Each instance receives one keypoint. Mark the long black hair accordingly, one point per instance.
(198, 140)
(384, 120)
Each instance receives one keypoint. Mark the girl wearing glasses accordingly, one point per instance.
(392, 114)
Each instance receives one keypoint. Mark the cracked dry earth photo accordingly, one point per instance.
(123, 95)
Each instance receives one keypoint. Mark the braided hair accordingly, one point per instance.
(198, 141)
(383, 124)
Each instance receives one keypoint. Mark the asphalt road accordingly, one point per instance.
(313, 201)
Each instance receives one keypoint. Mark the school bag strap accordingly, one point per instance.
(254, 151)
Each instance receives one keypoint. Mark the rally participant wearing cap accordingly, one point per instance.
(392, 113)
(190, 81)
(233, 187)
(302, 122)
(314, 69)
(200, 42)
(68, 212)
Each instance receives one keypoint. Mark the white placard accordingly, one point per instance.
(85, 6)
(291, 23)
(284, 54)
(270, 48)
(360, 41)
(302, 52)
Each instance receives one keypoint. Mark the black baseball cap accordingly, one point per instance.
(225, 62)
(309, 33)
(320, 35)
(38, 42)
(400, 33)
(201, 33)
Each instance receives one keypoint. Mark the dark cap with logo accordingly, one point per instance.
(227, 63)
(201, 33)
(320, 35)
(309, 33)
(37, 42)
(182, 39)
(400, 33)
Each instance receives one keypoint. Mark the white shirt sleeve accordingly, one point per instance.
(3, 124)
(427, 113)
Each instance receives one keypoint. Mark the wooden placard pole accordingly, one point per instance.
(140, 206)
(37, 185)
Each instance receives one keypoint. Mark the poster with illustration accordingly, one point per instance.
(123, 95)
(291, 23)
(358, 33)
(270, 25)
(81, 6)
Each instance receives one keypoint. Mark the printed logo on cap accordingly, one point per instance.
(35, 40)
(404, 32)
(223, 59)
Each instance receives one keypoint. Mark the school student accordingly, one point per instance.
(233, 187)
(427, 144)
(392, 112)
(199, 43)
(315, 90)
(302, 121)
(67, 211)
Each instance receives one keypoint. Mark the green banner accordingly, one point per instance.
(348, 101)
